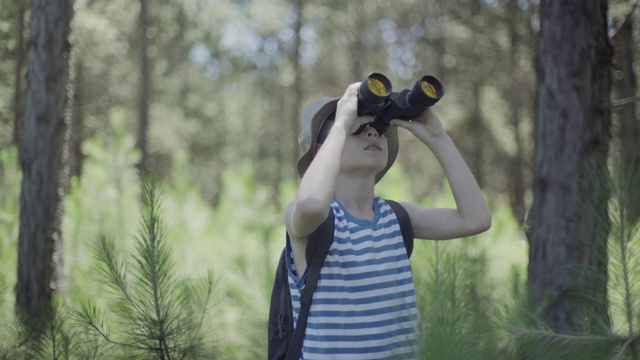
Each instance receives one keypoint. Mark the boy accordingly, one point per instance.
(364, 306)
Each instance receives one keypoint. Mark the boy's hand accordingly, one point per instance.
(347, 110)
(426, 126)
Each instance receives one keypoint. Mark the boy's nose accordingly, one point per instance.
(370, 131)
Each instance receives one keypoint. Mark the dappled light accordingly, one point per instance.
(149, 151)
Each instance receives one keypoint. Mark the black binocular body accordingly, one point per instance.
(375, 98)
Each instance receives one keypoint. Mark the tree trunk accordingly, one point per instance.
(356, 49)
(568, 224)
(46, 132)
(516, 164)
(18, 91)
(477, 128)
(289, 145)
(144, 95)
(76, 157)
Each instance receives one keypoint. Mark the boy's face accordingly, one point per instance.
(366, 151)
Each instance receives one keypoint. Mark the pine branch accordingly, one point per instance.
(112, 268)
(159, 316)
(626, 346)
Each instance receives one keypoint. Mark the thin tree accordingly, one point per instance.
(513, 92)
(18, 89)
(144, 96)
(298, 86)
(46, 132)
(568, 243)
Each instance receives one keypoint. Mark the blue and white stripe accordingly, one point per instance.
(364, 306)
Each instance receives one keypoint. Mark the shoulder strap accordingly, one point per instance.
(317, 249)
(280, 312)
(405, 225)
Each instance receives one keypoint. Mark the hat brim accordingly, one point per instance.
(324, 109)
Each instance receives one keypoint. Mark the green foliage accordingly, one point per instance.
(10, 178)
(63, 339)
(624, 249)
(102, 201)
(533, 340)
(547, 345)
(156, 313)
(230, 77)
(240, 240)
(455, 302)
(56, 342)
(223, 132)
(471, 292)
(245, 244)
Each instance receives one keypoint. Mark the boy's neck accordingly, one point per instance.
(356, 195)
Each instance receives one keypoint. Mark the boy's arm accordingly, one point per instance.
(318, 183)
(471, 215)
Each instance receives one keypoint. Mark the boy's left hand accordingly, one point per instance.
(426, 126)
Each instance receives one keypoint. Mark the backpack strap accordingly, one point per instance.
(280, 312)
(405, 225)
(318, 244)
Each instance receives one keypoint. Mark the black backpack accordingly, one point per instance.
(284, 342)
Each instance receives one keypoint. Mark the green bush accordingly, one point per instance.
(472, 293)
(153, 312)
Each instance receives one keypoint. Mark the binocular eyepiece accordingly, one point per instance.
(375, 98)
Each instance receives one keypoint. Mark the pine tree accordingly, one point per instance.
(159, 315)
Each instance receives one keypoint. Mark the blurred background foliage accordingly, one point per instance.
(229, 78)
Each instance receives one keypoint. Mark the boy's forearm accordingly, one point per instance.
(318, 184)
(469, 199)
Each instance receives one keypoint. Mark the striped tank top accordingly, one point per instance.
(364, 306)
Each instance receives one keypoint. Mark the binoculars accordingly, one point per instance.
(375, 98)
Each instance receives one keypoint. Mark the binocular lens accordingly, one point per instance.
(426, 92)
(373, 93)
(377, 86)
(375, 90)
(429, 89)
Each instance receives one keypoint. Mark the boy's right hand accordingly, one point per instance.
(347, 110)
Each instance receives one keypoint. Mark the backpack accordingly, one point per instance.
(284, 342)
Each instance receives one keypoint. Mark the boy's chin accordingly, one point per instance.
(361, 172)
(371, 170)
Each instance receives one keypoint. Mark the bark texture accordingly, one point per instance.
(568, 224)
(44, 150)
